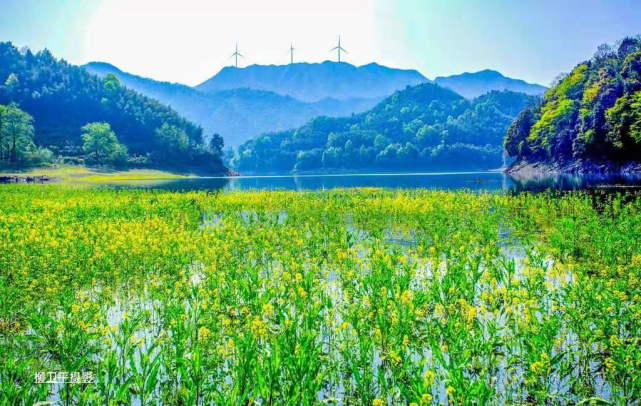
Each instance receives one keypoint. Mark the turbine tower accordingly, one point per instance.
(291, 53)
(236, 54)
(339, 48)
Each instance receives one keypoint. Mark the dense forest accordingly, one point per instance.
(422, 127)
(60, 100)
(591, 115)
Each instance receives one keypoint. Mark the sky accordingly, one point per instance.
(188, 41)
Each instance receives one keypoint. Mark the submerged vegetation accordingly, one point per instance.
(358, 296)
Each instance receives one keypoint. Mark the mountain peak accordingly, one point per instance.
(488, 73)
(103, 66)
(313, 82)
(471, 85)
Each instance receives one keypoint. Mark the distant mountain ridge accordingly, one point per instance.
(243, 103)
(238, 114)
(471, 85)
(313, 82)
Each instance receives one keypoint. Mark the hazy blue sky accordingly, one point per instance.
(190, 40)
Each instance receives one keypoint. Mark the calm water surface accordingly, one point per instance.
(477, 181)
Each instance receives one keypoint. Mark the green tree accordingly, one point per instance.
(624, 121)
(2, 140)
(428, 136)
(17, 133)
(380, 142)
(110, 89)
(518, 132)
(12, 84)
(349, 146)
(172, 141)
(389, 155)
(216, 144)
(407, 153)
(111, 85)
(100, 141)
(332, 157)
(309, 159)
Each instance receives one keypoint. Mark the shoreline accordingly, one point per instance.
(73, 174)
(586, 167)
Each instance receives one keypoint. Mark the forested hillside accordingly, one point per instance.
(422, 127)
(63, 98)
(590, 120)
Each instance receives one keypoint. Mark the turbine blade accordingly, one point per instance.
(333, 49)
(240, 55)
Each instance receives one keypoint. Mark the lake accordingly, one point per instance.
(477, 181)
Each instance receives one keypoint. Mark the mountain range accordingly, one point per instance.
(471, 85)
(238, 113)
(312, 82)
(242, 103)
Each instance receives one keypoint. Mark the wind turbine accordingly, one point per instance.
(236, 54)
(339, 49)
(291, 52)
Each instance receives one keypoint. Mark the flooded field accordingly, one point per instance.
(342, 296)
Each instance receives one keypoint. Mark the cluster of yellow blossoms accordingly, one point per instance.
(358, 296)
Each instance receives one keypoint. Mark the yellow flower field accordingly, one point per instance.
(352, 296)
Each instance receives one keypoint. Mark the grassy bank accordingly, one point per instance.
(72, 173)
(362, 296)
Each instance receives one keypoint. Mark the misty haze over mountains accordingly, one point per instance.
(237, 113)
(311, 82)
(242, 103)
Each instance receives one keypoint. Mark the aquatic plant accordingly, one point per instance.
(355, 296)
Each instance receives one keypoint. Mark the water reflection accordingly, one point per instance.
(538, 182)
(475, 181)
